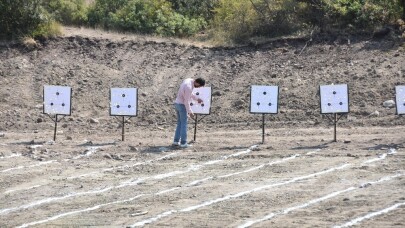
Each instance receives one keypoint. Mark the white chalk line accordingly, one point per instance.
(314, 201)
(232, 196)
(11, 156)
(97, 191)
(28, 166)
(204, 204)
(119, 167)
(14, 190)
(76, 212)
(373, 214)
(91, 151)
(127, 183)
(116, 202)
(168, 190)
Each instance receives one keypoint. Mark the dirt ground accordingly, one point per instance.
(297, 178)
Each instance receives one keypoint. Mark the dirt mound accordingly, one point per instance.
(93, 63)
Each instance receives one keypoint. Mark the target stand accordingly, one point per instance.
(203, 108)
(334, 101)
(57, 102)
(123, 103)
(263, 100)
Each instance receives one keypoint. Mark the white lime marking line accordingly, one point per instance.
(232, 196)
(314, 201)
(91, 151)
(29, 166)
(123, 184)
(76, 212)
(373, 214)
(11, 156)
(158, 193)
(124, 166)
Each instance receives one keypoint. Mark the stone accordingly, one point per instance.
(133, 148)
(2, 135)
(92, 120)
(375, 114)
(40, 120)
(69, 138)
(389, 104)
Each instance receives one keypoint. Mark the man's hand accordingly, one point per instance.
(191, 115)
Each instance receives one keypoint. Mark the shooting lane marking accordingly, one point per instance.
(373, 214)
(232, 196)
(90, 173)
(11, 156)
(29, 166)
(123, 184)
(207, 203)
(314, 201)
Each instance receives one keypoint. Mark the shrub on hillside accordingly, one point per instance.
(234, 21)
(354, 14)
(151, 17)
(20, 18)
(68, 12)
(195, 8)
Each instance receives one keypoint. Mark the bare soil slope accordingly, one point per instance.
(95, 61)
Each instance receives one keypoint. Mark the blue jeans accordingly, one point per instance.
(181, 129)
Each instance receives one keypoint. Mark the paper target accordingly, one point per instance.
(123, 101)
(334, 99)
(204, 108)
(264, 99)
(400, 99)
(57, 100)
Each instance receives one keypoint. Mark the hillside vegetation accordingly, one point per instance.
(222, 21)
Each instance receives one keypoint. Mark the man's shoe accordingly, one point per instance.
(175, 144)
(185, 145)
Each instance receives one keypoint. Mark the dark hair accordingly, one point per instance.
(200, 81)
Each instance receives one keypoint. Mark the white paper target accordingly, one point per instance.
(400, 99)
(334, 98)
(264, 99)
(204, 108)
(123, 101)
(57, 100)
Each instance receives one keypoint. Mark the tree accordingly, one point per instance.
(20, 17)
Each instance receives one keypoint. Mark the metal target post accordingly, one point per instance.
(57, 101)
(195, 126)
(334, 101)
(263, 128)
(123, 103)
(123, 128)
(56, 124)
(264, 100)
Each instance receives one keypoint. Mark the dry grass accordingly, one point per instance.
(29, 43)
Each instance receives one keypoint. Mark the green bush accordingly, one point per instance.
(352, 14)
(195, 8)
(70, 12)
(150, 17)
(234, 21)
(21, 18)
